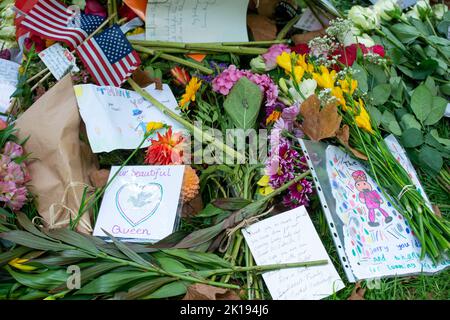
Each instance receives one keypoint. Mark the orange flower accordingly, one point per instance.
(167, 149)
(273, 117)
(180, 76)
(191, 185)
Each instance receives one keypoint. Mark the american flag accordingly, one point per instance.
(109, 57)
(51, 19)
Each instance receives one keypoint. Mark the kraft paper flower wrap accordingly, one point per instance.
(60, 162)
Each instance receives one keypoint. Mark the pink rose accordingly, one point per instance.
(95, 8)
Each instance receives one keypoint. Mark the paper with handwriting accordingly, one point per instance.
(116, 118)
(287, 238)
(192, 20)
(9, 72)
(59, 60)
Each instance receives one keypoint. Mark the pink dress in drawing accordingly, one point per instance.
(369, 197)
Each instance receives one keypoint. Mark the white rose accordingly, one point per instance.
(308, 87)
(383, 8)
(351, 36)
(364, 18)
(439, 10)
(366, 40)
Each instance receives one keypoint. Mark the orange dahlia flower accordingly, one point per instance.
(167, 149)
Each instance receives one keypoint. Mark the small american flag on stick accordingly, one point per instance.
(51, 19)
(109, 57)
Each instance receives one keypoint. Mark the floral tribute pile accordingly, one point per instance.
(371, 72)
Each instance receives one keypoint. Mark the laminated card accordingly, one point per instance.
(290, 237)
(141, 203)
(372, 238)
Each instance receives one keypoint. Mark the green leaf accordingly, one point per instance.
(73, 238)
(173, 289)
(147, 287)
(425, 68)
(210, 211)
(231, 204)
(435, 134)
(439, 41)
(392, 38)
(171, 265)
(29, 226)
(381, 94)
(41, 281)
(412, 138)
(375, 115)
(405, 33)
(7, 256)
(445, 89)
(128, 252)
(378, 73)
(201, 258)
(437, 111)
(243, 104)
(112, 281)
(396, 88)
(361, 76)
(29, 240)
(409, 121)
(431, 158)
(431, 85)
(420, 102)
(390, 123)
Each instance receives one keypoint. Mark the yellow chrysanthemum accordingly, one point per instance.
(153, 126)
(348, 85)
(325, 79)
(19, 263)
(265, 189)
(191, 90)
(363, 119)
(273, 117)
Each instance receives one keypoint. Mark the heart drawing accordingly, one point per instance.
(136, 203)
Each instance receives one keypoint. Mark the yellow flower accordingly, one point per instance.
(363, 119)
(348, 85)
(191, 90)
(284, 60)
(301, 61)
(19, 264)
(153, 126)
(298, 73)
(326, 79)
(265, 189)
(339, 95)
(273, 117)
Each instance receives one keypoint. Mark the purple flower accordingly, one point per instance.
(18, 199)
(13, 150)
(270, 57)
(281, 164)
(4, 161)
(298, 194)
(14, 173)
(5, 54)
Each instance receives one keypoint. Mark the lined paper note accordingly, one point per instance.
(287, 238)
(9, 72)
(197, 21)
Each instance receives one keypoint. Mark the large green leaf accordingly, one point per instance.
(412, 138)
(421, 102)
(381, 94)
(5, 257)
(41, 281)
(201, 258)
(405, 33)
(437, 111)
(75, 239)
(361, 76)
(243, 104)
(112, 281)
(431, 158)
(409, 121)
(173, 289)
(147, 287)
(29, 240)
(29, 226)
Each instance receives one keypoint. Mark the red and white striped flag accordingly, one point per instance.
(109, 57)
(51, 19)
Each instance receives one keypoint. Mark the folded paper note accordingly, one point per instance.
(191, 20)
(9, 72)
(116, 118)
(290, 237)
(372, 238)
(59, 60)
(141, 203)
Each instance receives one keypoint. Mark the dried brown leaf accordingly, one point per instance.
(99, 178)
(206, 292)
(192, 207)
(143, 79)
(343, 136)
(357, 293)
(262, 27)
(319, 124)
(437, 211)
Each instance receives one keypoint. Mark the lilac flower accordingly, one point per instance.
(18, 199)
(13, 150)
(270, 57)
(297, 194)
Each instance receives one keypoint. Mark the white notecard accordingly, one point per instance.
(141, 203)
(116, 118)
(9, 72)
(290, 237)
(197, 21)
(59, 60)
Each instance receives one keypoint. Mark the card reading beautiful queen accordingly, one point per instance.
(141, 203)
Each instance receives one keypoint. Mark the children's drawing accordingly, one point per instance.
(136, 203)
(371, 198)
(373, 239)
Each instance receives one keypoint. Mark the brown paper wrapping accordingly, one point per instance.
(60, 162)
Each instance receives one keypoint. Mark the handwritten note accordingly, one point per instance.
(197, 21)
(116, 118)
(59, 60)
(309, 22)
(9, 72)
(287, 238)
